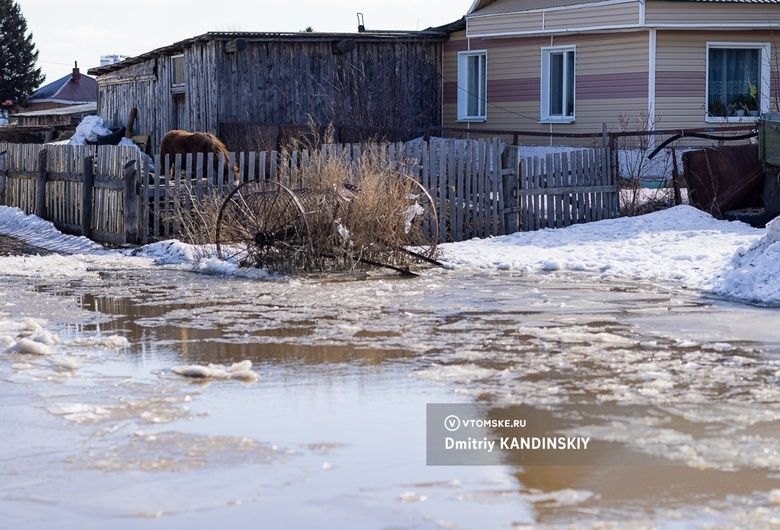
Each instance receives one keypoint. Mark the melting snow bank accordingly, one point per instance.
(37, 232)
(681, 244)
(753, 274)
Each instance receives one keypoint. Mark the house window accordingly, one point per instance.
(558, 84)
(177, 71)
(472, 86)
(737, 80)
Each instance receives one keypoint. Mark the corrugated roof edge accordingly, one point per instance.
(434, 34)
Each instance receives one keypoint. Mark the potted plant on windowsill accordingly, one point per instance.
(717, 109)
(748, 103)
(736, 107)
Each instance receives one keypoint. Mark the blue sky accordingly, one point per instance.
(65, 31)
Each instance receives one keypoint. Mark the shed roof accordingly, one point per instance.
(67, 89)
(430, 34)
(84, 108)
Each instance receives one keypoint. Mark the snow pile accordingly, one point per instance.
(241, 371)
(754, 274)
(89, 129)
(169, 252)
(681, 244)
(43, 234)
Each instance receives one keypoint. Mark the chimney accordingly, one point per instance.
(76, 74)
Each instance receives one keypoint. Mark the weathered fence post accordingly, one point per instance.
(131, 199)
(40, 189)
(87, 191)
(510, 174)
(3, 174)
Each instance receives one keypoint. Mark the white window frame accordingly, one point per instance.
(765, 73)
(546, 115)
(464, 81)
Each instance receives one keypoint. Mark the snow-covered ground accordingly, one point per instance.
(681, 245)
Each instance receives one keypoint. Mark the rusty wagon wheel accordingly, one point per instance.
(421, 225)
(263, 224)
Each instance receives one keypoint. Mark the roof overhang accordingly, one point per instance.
(61, 111)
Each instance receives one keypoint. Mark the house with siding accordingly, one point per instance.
(223, 82)
(569, 66)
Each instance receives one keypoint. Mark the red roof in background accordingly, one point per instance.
(67, 90)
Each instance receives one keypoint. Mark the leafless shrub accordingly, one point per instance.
(635, 166)
(327, 213)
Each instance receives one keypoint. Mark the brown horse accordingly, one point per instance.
(178, 141)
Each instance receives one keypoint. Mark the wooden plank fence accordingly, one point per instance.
(85, 190)
(112, 194)
(562, 189)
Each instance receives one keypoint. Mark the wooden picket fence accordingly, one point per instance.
(562, 189)
(462, 177)
(479, 187)
(85, 190)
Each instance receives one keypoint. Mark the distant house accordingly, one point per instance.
(72, 89)
(65, 115)
(568, 66)
(219, 81)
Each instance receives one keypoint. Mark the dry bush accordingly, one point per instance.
(196, 219)
(331, 214)
(363, 213)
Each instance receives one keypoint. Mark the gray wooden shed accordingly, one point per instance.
(217, 80)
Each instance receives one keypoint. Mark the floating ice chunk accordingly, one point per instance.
(67, 363)
(79, 412)
(410, 496)
(30, 346)
(112, 342)
(32, 329)
(241, 371)
(774, 495)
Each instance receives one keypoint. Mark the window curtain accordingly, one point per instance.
(731, 73)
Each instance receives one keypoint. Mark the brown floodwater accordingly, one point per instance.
(676, 392)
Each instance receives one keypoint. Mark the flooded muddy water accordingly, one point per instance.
(677, 392)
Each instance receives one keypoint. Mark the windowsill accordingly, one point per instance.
(733, 119)
(557, 120)
(475, 119)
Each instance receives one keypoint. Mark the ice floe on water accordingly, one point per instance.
(27, 336)
(241, 371)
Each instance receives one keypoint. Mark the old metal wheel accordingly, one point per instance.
(263, 224)
(421, 224)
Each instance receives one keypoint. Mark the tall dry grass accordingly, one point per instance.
(355, 215)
